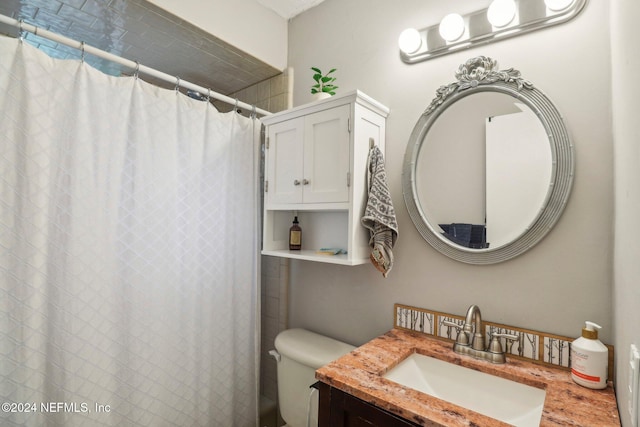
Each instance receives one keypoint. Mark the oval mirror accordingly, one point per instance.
(488, 167)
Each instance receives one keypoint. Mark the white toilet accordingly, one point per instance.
(299, 353)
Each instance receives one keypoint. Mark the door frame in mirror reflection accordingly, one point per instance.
(481, 74)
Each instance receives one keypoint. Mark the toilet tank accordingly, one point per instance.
(301, 353)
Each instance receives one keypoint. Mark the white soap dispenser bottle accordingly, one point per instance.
(589, 358)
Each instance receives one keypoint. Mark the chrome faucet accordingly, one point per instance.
(471, 340)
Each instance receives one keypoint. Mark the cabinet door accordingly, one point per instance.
(284, 162)
(326, 156)
(339, 409)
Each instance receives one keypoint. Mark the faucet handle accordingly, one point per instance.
(462, 338)
(453, 324)
(495, 346)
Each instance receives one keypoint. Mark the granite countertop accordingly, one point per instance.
(359, 374)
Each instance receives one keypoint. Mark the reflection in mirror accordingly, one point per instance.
(489, 165)
(462, 164)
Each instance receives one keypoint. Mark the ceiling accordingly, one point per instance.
(140, 31)
(289, 8)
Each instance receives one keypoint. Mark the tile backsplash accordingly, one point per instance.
(539, 347)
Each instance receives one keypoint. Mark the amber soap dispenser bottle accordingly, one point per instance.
(295, 236)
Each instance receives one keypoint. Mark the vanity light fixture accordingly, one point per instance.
(501, 12)
(451, 27)
(501, 20)
(558, 5)
(410, 40)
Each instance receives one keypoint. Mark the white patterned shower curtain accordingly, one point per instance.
(128, 251)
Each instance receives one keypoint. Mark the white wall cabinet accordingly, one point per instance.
(309, 158)
(316, 169)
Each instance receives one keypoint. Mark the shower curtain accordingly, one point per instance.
(128, 251)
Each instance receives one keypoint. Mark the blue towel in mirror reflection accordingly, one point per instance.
(468, 235)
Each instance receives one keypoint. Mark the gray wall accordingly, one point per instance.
(554, 287)
(626, 93)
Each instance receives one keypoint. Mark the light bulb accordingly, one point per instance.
(558, 5)
(410, 41)
(501, 12)
(452, 27)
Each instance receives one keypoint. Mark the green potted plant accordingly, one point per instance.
(324, 86)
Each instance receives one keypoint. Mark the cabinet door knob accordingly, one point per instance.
(305, 182)
(296, 182)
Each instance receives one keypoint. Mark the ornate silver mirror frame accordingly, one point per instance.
(481, 74)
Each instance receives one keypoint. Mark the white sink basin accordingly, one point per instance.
(508, 401)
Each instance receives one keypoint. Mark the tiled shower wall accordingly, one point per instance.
(273, 95)
(275, 287)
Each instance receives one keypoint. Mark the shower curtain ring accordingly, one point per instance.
(82, 48)
(235, 107)
(208, 95)
(177, 84)
(254, 113)
(137, 71)
(21, 30)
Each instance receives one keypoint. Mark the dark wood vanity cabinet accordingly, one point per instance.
(340, 409)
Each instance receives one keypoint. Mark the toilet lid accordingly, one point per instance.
(310, 349)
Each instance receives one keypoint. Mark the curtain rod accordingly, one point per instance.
(23, 26)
